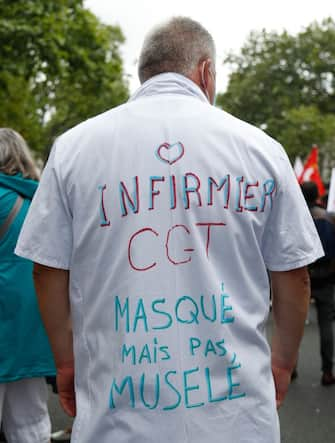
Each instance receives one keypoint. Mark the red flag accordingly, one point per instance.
(311, 171)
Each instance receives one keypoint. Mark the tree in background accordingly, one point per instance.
(58, 66)
(285, 84)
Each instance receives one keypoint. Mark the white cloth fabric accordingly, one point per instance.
(168, 212)
(331, 196)
(24, 411)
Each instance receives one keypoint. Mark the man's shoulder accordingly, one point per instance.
(247, 134)
(86, 135)
(91, 127)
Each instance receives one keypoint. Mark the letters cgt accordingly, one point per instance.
(239, 195)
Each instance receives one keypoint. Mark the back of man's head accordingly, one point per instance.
(177, 45)
(311, 193)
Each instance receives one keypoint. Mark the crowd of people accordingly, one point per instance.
(156, 317)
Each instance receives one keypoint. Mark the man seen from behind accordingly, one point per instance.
(153, 231)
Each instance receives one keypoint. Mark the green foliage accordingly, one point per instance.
(59, 65)
(18, 108)
(285, 84)
(305, 126)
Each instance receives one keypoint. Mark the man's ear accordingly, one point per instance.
(201, 76)
(204, 72)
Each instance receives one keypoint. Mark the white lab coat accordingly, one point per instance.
(168, 213)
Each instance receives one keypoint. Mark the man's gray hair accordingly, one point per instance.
(175, 46)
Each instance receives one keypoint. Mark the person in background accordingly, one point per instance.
(25, 355)
(151, 266)
(322, 274)
(324, 203)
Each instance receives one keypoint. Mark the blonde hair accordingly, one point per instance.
(15, 156)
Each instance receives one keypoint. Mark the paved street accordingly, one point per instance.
(308, 415)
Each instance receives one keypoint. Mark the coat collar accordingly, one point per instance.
(169, 83)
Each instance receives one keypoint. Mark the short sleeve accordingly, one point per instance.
(46, 236)
(290, 238)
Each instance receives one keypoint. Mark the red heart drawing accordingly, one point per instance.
(170, 153)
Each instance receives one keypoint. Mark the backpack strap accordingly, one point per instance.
(11, 216)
